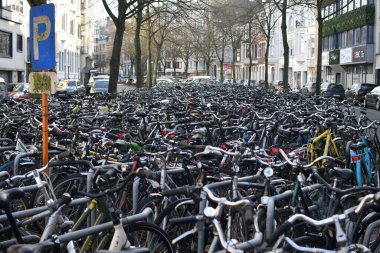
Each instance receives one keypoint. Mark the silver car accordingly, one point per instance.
(100, 86)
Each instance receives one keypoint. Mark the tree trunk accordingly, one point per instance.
(155, 66)
(250, 53)
(196, 66)
(139, 71)
(221, 71)
(266, 62)
(156, 62)
(319, 52)
(285, 44)
(115, 58)
(233, 65)
(149, 75)
(208, 63)
(187, 63)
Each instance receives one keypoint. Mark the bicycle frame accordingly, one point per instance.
(329, 140)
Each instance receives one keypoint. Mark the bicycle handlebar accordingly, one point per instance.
(224, 201)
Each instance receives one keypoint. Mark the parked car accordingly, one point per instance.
(358, 91)
(333, 90)
(372, 98)
(94, 78)
(309, 89)
(67, 88)
(164, 81)
(20, 91)
(100, 86)
(324, 86)
(199, 79)
(3, 89)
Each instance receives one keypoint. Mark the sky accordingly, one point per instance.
(99, 11)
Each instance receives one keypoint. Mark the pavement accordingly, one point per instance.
(371, 113)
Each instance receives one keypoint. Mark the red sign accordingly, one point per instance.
(227, 67)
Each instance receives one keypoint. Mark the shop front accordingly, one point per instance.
(349, 65)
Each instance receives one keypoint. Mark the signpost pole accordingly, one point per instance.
(42, 37)
(45, 131)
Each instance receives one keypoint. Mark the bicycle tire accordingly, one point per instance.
(188, 244)
(160, 238)
(67, 182)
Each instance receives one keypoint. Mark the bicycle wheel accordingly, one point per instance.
(143, 234)
(64, 185)
(178, 209)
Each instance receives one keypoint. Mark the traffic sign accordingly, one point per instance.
(42, 82)
(42, 37)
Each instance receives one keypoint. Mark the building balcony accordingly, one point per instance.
(11, 15)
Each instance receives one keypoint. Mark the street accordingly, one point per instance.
(371, 113)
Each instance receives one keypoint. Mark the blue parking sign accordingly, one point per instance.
(42, 37)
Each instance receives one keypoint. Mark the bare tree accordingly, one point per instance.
(265, 20)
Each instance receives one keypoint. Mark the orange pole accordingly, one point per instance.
(45, 131)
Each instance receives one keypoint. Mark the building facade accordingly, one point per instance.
(12, 41)
(87, 39)
(68, 37)
(349, 42)
(377, 41)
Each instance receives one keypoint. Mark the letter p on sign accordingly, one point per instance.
(42, 35)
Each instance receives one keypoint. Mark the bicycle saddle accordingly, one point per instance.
(31, 248)
(345, 174)
(141, 113)
(357, 146)
(7, 196)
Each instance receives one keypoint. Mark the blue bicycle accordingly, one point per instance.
(362, 159)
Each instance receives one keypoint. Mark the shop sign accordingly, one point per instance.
(334, 57)
(346, 55)
(325, 58)
(359, 54)
(227, 67)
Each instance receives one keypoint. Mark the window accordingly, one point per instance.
(28, 48)
(357, 4)
(344, 39)
(350, 38)
(247, 50)
(14, 5)
(72, 27)
(365, 2)
(168, 64)
(79, 28)
(357, 36)
(19, 43)
(63, 22)
(350, 5)
(364, 35)
(370, 33)
(344, 6)
(331, 42)
(238, 55)
(178, 65)
(5, 44)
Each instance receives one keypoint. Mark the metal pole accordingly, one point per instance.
(45, 131)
